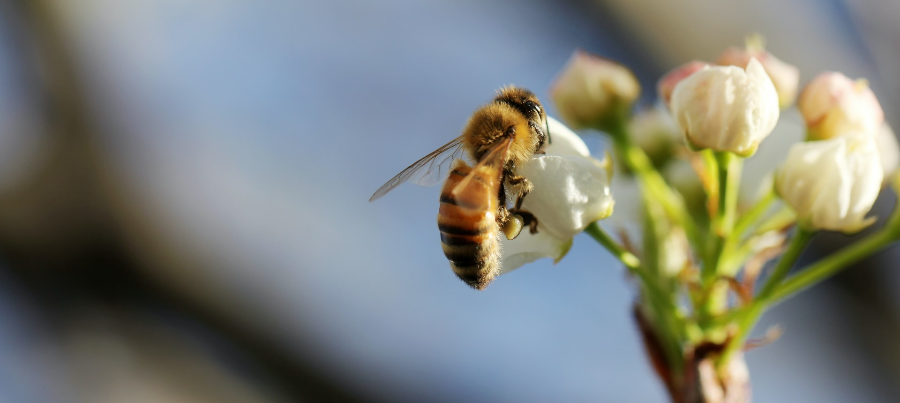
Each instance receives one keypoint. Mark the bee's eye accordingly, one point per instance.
(533, 106)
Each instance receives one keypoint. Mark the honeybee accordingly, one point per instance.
(475, 200)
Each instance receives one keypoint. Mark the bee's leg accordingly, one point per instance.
(503, 215)
(524, 187)
(528, 219)
(502, 211)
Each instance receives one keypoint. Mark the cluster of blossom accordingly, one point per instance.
(704, 244)
(830, 181)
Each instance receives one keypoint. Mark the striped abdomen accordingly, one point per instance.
(468, 225)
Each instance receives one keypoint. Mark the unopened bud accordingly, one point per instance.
(667, 83)
(655, 132)
(594, 92)
(832, 184)
(833, 105)
(785, 77)
(889, 151)
(726, 108)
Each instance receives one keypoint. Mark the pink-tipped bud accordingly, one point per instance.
(785, 77)
(668, 82)
(594, 92)
(833, 105)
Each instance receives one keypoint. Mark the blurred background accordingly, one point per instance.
(184, 215)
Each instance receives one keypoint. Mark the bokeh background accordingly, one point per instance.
(184, 215)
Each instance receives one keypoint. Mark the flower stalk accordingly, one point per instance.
(752, 216)
(636, 160)
(798, 244)
(627, 258)
(833, 264)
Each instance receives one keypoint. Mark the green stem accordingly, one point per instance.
(728, 175)
(669, 325)
(730, 167)
(627, 258)
(716, 178)
(746, 323)
(752, 216)
(712, 169)
(638, 162)
(736, 253)
(653, 218)
(781, 219)
(794, 250)
(831, 265)
(660, 303)
(631, 262)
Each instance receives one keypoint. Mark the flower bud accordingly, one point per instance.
(668, 82)
(655, 132)
(832, 105)
(889, 151)
(593, 92)
(785, 77)
(832, 184)
(681, 175)
(726, 108)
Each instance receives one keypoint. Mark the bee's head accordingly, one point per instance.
(530, 107)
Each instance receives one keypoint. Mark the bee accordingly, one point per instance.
(479, 201)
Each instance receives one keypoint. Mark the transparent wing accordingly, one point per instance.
(497, 157)
(427, 171)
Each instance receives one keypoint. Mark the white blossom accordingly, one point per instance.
(571, 190)
(726, 108)
(832, 184)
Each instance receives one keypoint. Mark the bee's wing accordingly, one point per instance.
(497, 157)
(427, 171)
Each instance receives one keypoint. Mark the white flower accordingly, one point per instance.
(571, 190)
(726, 108)
(833, 104)
(592, 92)
(832, 184)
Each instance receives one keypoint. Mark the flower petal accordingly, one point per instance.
(569, 193)
(528, 247)
(564, 141)
(571, 190)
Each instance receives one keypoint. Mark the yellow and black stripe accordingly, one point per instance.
(469, 231)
